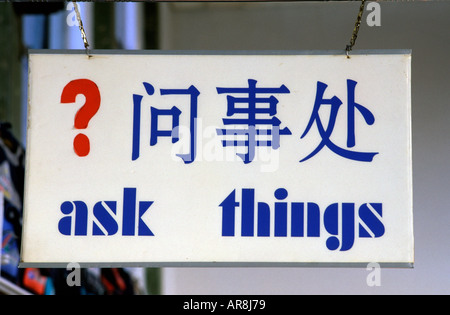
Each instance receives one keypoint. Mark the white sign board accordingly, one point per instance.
(213, 159)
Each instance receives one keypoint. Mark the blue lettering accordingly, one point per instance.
(248, 211)
(370, 224)
(298, 219)
(228, 214)
(143, 229)
(325, 131)
(105, 219)
(129, 211)
(263, 219)
(174, 114)
(78, 219)
(347, 224)
(103, 214)
(255, 121)
(339, 219)
(281, 213)
(313, 220)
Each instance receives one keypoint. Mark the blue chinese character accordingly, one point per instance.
(325, 133)
(174, 113)
(252, 131)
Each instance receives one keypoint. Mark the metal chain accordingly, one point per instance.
(80, 24)
(356, 29)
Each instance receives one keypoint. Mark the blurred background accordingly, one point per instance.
(422, 26)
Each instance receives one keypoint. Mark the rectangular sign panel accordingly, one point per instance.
(217, 159)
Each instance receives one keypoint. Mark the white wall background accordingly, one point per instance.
(421, 26)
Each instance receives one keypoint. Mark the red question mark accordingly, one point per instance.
(90, 90)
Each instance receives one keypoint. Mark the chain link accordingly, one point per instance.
(80, 24)
(349, 47)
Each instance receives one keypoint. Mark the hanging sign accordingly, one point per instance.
(212, 159)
